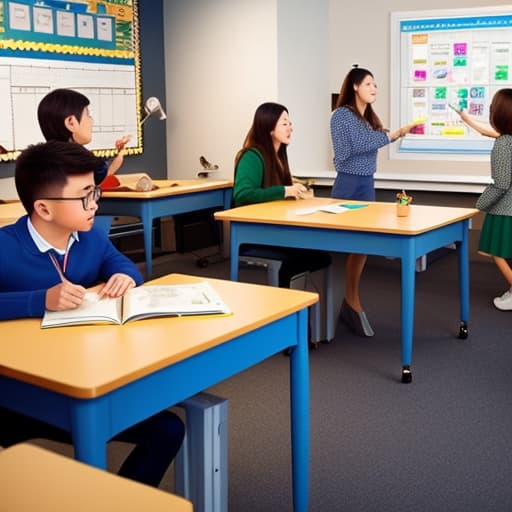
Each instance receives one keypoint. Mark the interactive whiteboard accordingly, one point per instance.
(442, 61)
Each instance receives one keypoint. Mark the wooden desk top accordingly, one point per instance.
(88, 361)
(377, 217)
(34, 479)
(11, 212)
(171, 188)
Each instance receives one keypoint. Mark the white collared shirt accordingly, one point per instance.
(44, 246)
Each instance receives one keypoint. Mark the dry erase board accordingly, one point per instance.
(90, 46)
(450, 57)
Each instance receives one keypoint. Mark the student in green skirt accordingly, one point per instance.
(496, 199)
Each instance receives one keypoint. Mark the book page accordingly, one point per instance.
(93, 310)
(172, 300)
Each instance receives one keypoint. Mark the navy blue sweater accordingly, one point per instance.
(26, 273)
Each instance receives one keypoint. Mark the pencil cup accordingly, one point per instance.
(402, 210)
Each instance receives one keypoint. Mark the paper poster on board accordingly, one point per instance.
(86, 45)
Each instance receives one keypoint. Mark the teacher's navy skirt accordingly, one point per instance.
(353, 186)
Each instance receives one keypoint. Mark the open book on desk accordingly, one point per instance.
(142, 302)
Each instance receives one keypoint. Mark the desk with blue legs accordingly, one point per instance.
(374, 229)
(172, 197)
(95, 381)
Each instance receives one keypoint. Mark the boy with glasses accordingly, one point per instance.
(53, 254)
(49, 258)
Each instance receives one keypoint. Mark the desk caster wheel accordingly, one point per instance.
(406, 374)
(202, 262)
(463, 331)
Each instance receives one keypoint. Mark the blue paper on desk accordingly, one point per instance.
(330, 208)
(353, 206)
(341, 208)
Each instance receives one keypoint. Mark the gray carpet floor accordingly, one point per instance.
(440, 443)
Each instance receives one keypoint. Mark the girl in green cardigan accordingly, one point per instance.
(262, 174)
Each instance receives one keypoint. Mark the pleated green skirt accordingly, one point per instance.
(496, 237)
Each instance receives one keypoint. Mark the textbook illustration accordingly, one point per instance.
(139, 303)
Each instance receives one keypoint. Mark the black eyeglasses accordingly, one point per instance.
(93, 195)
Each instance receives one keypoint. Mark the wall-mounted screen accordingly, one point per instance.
(441, 62)
(90, 46)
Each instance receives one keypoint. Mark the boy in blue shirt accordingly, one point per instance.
(48, 260)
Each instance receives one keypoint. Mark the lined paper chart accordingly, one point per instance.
(91, 47)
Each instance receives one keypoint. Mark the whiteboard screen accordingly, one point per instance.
(443, 59)
(92, 47)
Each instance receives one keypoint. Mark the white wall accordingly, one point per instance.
(221, 63)
(303, 81)
(224, 58)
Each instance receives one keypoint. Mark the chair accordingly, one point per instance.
(261, 256)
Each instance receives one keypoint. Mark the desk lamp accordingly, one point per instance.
(152, 106)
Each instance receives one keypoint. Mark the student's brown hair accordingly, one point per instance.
(277, 170)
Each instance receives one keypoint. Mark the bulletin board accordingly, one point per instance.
(443, 59)
(90, 46)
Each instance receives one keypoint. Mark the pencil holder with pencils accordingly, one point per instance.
(402, 204)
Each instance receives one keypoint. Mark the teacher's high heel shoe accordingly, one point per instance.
(356, 321)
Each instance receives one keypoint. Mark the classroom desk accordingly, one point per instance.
(11, 212)
(95, 381)
(33, 479)
(171, 198)
(374, 229)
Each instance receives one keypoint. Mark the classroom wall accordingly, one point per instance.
(367, 43)
(224, 57)
(153, 160)
(221, 62)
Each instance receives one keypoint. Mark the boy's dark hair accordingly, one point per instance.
(55, 107)
(42, 170)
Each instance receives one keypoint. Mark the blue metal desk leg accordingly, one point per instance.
(147, 224)
(89, 420)
(464, 282)
(233, 249)
(299, 391)
(407, 309)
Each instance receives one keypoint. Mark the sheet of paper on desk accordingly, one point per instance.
(330, 208)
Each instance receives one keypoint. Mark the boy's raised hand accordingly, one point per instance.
(121, 143)
(117, 161)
